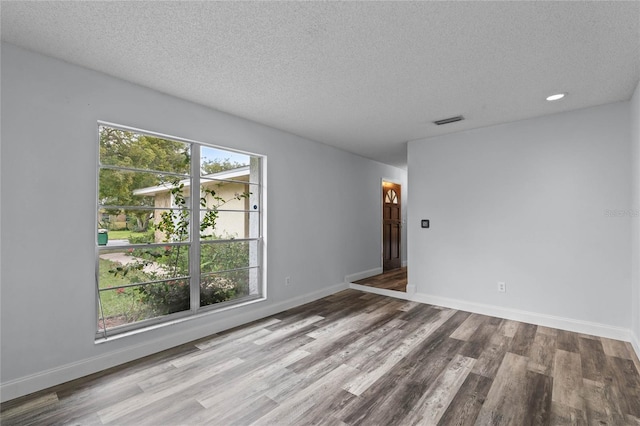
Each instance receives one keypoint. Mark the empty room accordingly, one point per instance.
(328, 213)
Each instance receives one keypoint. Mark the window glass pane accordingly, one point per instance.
(127, 188)
(171, 226)
(225, 286)
(228, 255)
(215, 160)
(217, 225)
(141, 226)
(129, 149)
(132, 304)
(130, 265)
(122, 306)
(226, 195)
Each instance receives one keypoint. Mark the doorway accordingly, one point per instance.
(394, 275)
(391, 226)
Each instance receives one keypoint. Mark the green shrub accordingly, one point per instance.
(167, 297)
(141, 237)
(174, 296)
(215, 289)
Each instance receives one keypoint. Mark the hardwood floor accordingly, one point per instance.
(359, 359)
(395, 279)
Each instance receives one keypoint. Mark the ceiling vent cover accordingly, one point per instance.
(449, 120)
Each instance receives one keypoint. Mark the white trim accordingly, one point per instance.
(55, 376)
(635, 343)
(394, 181)
(569, 324)
(211, 310)
(404, 263)
(362, 275)
(380, 291)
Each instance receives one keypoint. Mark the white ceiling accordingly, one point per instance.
(363, 76)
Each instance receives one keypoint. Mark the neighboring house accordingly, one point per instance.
(233, 219)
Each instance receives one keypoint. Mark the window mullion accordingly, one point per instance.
(194, 264)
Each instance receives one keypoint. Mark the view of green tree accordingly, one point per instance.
(219, 165)
(133, 150)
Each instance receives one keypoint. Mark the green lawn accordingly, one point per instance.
(125, 234)
(119, 235)
(125, 303)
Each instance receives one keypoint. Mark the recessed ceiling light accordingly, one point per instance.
(556, 97)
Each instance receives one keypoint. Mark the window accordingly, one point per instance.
(391, 197)
(154, 262)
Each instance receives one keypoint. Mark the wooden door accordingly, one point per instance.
(391, 226)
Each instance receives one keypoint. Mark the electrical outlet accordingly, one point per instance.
(502, 287)
(287, 281)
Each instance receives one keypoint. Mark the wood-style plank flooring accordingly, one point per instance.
(357, 358)
(395, 279)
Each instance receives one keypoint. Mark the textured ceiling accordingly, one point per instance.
(366, 77)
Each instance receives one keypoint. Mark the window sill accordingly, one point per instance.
(208, 312)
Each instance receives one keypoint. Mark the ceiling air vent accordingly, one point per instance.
(449, 120)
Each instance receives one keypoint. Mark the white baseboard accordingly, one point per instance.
(569, 324)
(381, 291)
(55, 376)
(404, 263)
(635, 342)
(362, 275)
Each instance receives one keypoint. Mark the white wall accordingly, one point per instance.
(635, 216)
(526, 203)
(324, 215)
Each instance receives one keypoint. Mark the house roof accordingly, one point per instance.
(227, 175)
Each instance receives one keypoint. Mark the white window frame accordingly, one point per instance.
(258, 281)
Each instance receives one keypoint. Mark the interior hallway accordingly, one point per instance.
(395, 279)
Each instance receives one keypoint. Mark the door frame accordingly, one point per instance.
(381, 219)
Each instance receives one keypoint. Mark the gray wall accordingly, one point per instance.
(324, 215)
(526, 203)
(635, 208)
